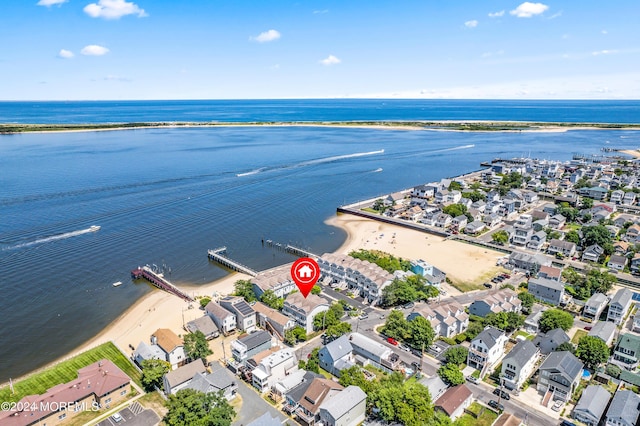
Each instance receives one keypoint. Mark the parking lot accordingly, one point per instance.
(135, 415)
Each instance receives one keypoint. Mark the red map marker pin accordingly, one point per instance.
(305, 273)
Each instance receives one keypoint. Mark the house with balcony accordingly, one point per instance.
(564, 248)
(629, 198)
(171, 345)
(276, 279)
(592, 253)
(273, 368)
(549, 291)
(447, 319)
(307, 411)
(627, 351)
(492, 220)
(538, 239)
(624, 409)
(595, 306)
(433, 275)
(591, 406)
(304, 309)
(559, 376)
(250, 344)
(273, 320)
(486, 349)
(245, 315)
(519, 364)
(620, 305)
(474, 227)
(557, 221)
(550, 273)
(617, 196)
(528, 262)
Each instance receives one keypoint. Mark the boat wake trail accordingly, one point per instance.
(53, 238)
(312, 162)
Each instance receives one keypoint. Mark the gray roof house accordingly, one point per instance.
(549, 291)
(218, 380)
(144, 352)
(623, 410)
(486, 349)
(519, 364)
(336, 356)
(346, 408)
(592, 253)
(223, 319)
(204, 324)
(595, 305)
(528, 262)
(247, 346)
(619, 306)
(378, 354)
(181, 377)
(549, 341)
(435, 385)
(266, 420)
(604, 330)
(560, 374)
(246, 319)
(565, 248)
(591, 406)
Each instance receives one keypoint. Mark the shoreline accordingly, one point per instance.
(470, 126)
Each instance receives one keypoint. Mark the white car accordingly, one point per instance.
(473, 379)
(557, 405)
(116, 417)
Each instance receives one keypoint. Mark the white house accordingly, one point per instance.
(344, 408)
(181, 377)
(273, 368)
(223, 319)
(276, 279)
(171, 345)
(519, 364)
(619, 306)
(304, 309)
(486, 349)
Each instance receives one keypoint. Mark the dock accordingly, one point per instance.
(218, 255)
(159, 281)
(296, 251)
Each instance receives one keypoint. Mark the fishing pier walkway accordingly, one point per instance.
(296, 251)
(217, 255)
(159, 281)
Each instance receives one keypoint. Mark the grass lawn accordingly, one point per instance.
(579, 335)
(67, 370)
(370, 210)
(523, 333)
(326, 374)
(477, 284)
(486, 416)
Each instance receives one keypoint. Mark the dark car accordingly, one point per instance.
(416, 352)
(567, 423)
(487, 285)
(502, 394)
(415, 365)
(409, 305)
(496, 405)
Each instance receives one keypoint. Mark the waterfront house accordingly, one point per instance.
(595, 306)
(454, 401)
(424, 191)
(565, 248)
(505, 300)
(619, 306)
(273, 368)
(550, 273)
(394, 199)
(245, 315)
(345, 408)
(537, 240)
(486, 349)
(474, 227)
(591, 406)
(377, 354)
(276, 279)
(101, 383)
(549, 291)
(604, 330)
(145, 352)
(528, 262)
(559, 375)
(205, 325)
(308, 407)
(433, 275)
(459, 222)
(518, 365)
(171, 345)
(336, 355)
(443, 220)
(627, 351)
(223, 319)
(273, 320)
(492, 220)
(304, 309)
(250, 344)
(549, 341)
(616, 262)
(181, 377)
(624, 409)
(219, 380)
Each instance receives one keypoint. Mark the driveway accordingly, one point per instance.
(253, 406)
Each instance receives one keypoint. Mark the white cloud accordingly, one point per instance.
(113, 9)
(66, 54)
(528, 9)
(112, 77)
(330, 60)
(94, 50)
(603, 52)
(266, 36)
(556, 15)
(51, 2)
(471, 24)
(496, 14)
(605, 32)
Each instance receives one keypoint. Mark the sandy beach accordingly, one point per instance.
(632, 152)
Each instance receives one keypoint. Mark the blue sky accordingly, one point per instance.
(238, 49)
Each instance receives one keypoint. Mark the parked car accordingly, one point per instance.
(502, 394)
(364, 316)
(507, 276)
(473, 379)
(116, 417)
(404, 348)
(409, 305)
(494, 404)
(415, 365)
(392, 341)
(487, 285)
(435, 348)
(416, 352)
(588, 328)
(567, 423)
(557, 405)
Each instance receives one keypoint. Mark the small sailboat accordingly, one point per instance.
(117, 283)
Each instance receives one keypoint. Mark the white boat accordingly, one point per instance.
(94, 228)
(116, 284)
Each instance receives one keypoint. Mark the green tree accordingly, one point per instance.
(421, 333)
(153, 370)
(501, 237)
(498, 320)
(455, 186)
(354, 376)
(332, 317)
(396, 326)
(196, 346)
(613, 370)
(295, 335)
(244, 288)
(555, 318)
(527, 299)
(566, 346)
(190, 407)
(451, 374)
(597, 234)
(455, 210)
(474, 196)
(456, 355)
(204, 301)
(572, 236)
(316, 289)
(475, 327)
(386, 261)
(379, 205)
(592, 351)
(272, 300)
(313, 363)
(338, 329)
(587, 203)
(568, 212)
(398, 292)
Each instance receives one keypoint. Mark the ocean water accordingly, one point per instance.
(165, 196)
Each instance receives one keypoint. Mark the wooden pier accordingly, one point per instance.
(217, 255)
(159, 281)
(296, 251)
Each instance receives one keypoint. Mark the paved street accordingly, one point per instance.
(253, 406)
